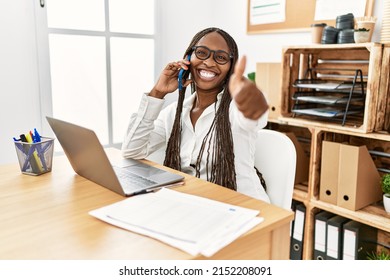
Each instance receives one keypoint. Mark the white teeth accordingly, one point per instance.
(207, 74)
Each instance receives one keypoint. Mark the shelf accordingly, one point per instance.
(324, 85)
(322, 74)
(379, 135)
(327, 112)
(300, 195)
(350, 47)
(371, 215)
(313, 97)
(311, 123)
(323, 96)
(340, 95)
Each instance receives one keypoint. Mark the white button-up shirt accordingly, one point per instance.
(150, 129)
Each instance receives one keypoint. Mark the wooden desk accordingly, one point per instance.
(46, 217)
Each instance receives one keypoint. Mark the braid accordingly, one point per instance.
(172, 153)
(219, 138)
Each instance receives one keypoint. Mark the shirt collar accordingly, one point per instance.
(188, 102)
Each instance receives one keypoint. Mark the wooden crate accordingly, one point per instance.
(383, 115)
(340, 58)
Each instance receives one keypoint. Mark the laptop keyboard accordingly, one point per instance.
(131, 180)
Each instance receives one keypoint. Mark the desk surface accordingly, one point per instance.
(46, 217)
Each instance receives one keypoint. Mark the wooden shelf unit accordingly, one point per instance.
(372, 132)
(367, 57)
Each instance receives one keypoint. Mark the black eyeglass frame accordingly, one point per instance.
(214, 54)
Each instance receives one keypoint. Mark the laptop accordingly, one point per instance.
(88, 159)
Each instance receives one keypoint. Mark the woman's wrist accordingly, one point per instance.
(157, 94)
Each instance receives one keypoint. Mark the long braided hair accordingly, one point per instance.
(220, 167)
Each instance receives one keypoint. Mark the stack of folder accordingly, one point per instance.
(339, 238)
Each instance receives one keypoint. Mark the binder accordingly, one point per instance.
(297, 236)
(294, 204)
(320, 234)
(334, 239)
(359, 240)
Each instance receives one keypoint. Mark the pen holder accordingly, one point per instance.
(35, 158)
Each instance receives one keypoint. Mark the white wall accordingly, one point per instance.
(19, 86)
(179, 20)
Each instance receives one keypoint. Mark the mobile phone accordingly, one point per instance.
(182, 75)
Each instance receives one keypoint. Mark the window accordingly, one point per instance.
(101, 61)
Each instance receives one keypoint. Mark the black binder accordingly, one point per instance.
(294, 204)
(320, 234)
(297, 235)
(334, 239)
(359, 241)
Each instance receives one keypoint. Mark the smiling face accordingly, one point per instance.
(208, 75)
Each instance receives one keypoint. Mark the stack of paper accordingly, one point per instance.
(193, 224)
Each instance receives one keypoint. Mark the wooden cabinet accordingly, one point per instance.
(370, 129)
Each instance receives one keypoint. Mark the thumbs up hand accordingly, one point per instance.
(249, 99)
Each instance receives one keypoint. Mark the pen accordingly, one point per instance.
(23, 138)
(38, 164)
(37, 137)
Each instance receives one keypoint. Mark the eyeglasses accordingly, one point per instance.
(221, 57)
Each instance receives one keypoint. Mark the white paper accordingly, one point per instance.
(331, 9)
(267, 11)
(193, 224)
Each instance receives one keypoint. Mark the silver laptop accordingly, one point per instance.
(88, 159)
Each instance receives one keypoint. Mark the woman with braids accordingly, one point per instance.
(210, 134)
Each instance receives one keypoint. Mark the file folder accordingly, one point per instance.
(297, 236)
(359, 240)
(359, 179)
(320, 234)
(294, 204)
(270, 86)
(329, 172)
(334, 240)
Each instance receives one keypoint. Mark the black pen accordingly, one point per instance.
(23, 138)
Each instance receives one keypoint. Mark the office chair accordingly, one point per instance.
(276, 158)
